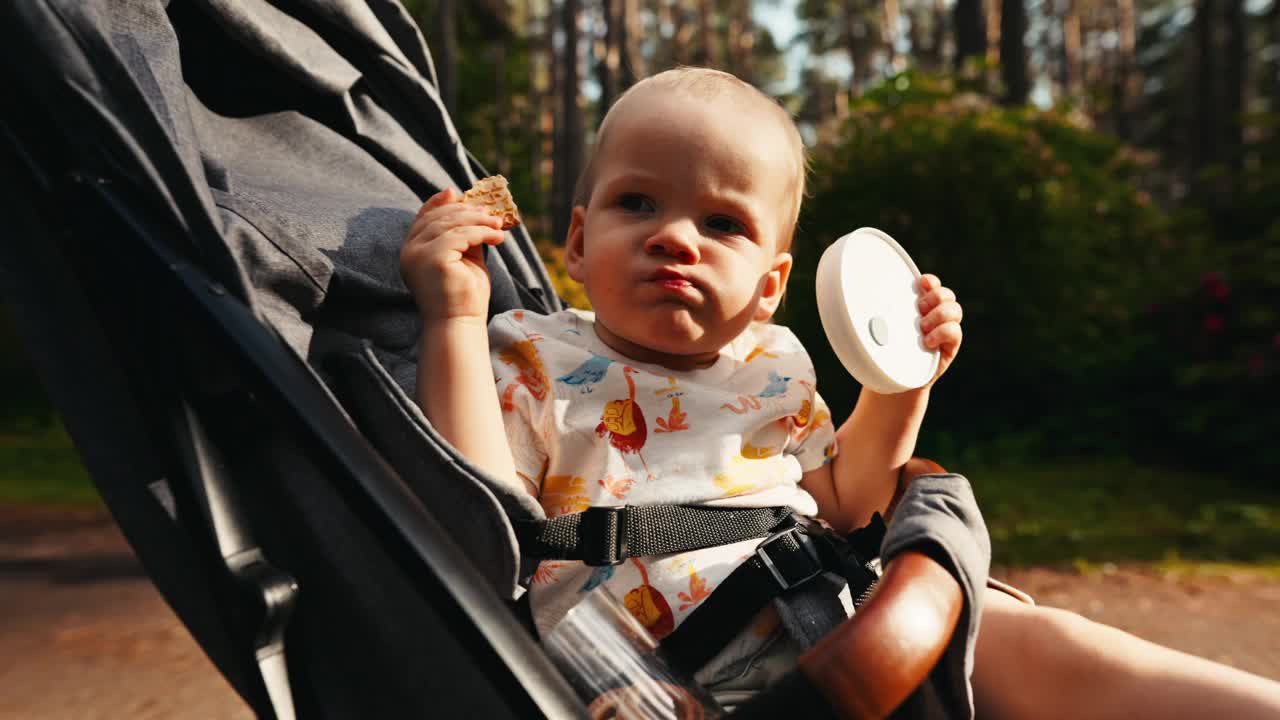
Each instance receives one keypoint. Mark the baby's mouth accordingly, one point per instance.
(671, 280)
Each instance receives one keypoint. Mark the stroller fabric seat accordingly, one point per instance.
(206, 201)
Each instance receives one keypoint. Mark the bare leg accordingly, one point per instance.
(1036, 662)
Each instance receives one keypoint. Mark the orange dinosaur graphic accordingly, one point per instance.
(623, 422)
(697, 591)
(546, 571)
(749, 403)
(564, 494)
(616, 487)
(524, 357)
(759, 351)
(648, 606)
(674, 421)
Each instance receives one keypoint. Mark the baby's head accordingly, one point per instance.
(684, 215)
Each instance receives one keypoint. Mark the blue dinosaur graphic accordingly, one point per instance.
(588, 373)
(777, 385)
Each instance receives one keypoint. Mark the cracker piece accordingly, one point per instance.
(491, 193)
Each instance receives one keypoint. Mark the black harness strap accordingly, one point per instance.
(610, 535)
(791, 555)
(782, 567)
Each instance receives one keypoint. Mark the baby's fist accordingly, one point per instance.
(940, 316)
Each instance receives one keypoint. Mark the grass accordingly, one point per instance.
(1090, 512)
(1080, 513)
(38, 464)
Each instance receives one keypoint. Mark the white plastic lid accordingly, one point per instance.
(867, 295)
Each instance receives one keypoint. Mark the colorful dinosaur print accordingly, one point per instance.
(531, 374)
(599, 576)
(648, 606)
(623, 422)
(616, 487)
(546, 571)
(759, 351)
(749, 403)
(675, 420)
(777, 385)
(697, 591)
(588, 373)
(564, 494)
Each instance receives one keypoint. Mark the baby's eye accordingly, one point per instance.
(725, 225)
(634, 202)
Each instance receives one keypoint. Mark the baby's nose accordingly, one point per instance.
(677, 239)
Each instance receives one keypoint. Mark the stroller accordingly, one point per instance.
(206, 200)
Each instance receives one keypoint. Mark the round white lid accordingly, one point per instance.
(867, 294)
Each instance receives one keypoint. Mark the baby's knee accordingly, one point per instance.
(1029, 659)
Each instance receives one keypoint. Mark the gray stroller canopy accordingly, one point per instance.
(206, 199)
(205, 203)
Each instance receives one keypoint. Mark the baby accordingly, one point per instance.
(676, 390)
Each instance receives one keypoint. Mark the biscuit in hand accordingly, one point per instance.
(491, 193)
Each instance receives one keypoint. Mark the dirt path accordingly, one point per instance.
(84, 635)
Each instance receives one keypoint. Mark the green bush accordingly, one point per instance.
(1222, 334)
(1058, 256)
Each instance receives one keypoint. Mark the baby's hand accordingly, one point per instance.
(442, 261)
(940, 316)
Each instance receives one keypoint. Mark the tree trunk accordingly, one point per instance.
(1205, 146)
(1273, 89)
(740, 40)
(447, 58)
(706, 54)
(607, 64)
(1127, 82)
(631, 66)
(1072, 53)
(544, 130)
(970, 24)
(855, 40)
(501, 104)
(1234, 81)
(568, 160)
(1013, 52)
(940, 33)
(889, 32)
(682, 33)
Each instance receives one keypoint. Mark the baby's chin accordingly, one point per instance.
(676, 342)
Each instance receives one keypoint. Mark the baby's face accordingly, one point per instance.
(681, 244)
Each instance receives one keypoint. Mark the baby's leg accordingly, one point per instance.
(1036, 662)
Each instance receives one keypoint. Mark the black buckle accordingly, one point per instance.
(801, 535)
(603, 530)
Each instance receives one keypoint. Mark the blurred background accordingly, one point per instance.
(1097, 179)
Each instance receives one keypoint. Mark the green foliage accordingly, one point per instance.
(1222, 333)
(22, 401)
(1057, 255)
(38, 464)
(1115, 511)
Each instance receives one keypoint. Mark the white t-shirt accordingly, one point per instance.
(590, 427)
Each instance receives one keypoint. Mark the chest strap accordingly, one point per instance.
(799, 563)
(802, 567)
(610, 535)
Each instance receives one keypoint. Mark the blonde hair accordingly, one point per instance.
(703, 83)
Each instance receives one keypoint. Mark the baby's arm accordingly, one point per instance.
(442, 263)
(880, 435)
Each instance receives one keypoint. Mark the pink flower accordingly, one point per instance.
(1255, 365)
(1214, 286)
(1213, 324)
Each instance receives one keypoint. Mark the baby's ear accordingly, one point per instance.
(575, 244)
(775, 284)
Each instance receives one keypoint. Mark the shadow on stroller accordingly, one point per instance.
(206, 201)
